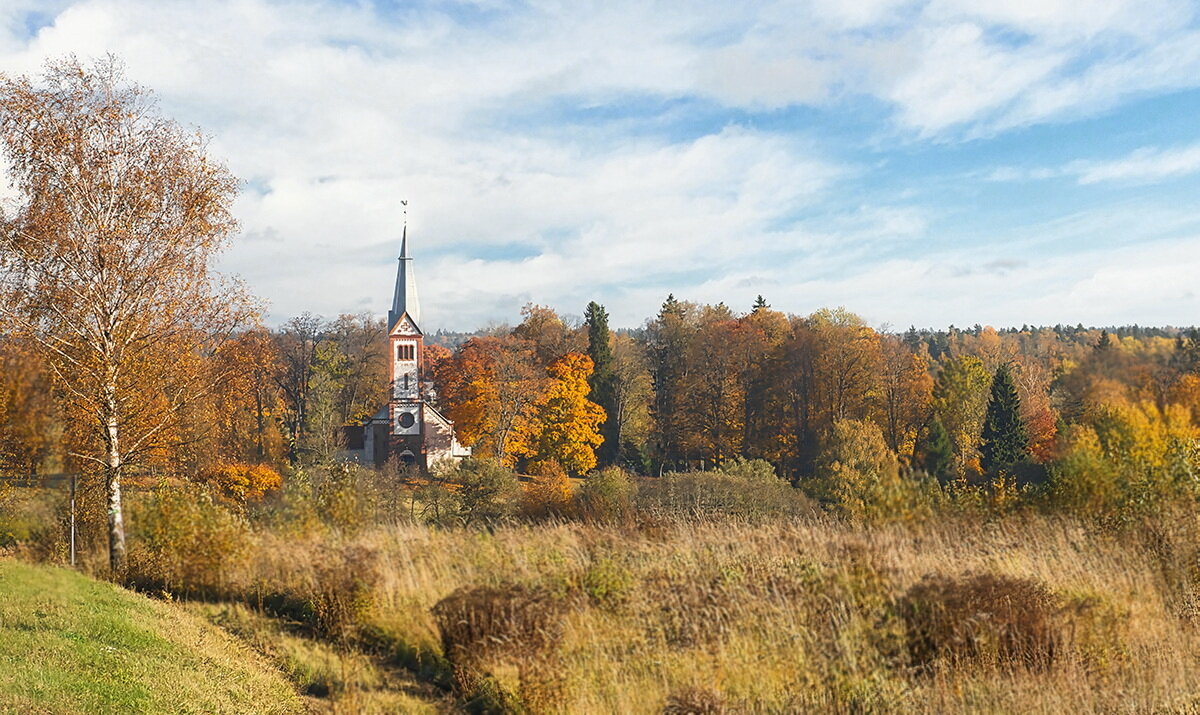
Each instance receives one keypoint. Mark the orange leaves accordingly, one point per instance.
(468, 391)
(245, 482)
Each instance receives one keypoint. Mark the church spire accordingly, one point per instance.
(405, 300)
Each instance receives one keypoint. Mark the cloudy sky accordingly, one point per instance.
(1000, 162)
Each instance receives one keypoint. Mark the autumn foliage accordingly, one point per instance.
(563, 425)
(245, 482)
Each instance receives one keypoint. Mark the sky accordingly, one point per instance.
(932, 163)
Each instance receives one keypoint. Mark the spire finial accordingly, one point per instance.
(404, 234)
(404, 300)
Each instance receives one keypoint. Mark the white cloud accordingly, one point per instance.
(1145, 164)
(334, 112)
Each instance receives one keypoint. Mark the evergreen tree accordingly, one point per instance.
(936, 451)
(761, 303)
(603, 380)
(668, 339)
(1004, 441)
(1106, 341)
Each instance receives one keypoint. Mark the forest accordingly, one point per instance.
(719, 510)
(1066, 415)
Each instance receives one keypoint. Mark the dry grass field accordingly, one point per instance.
(1020, 614)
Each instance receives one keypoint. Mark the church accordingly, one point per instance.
(408, 427)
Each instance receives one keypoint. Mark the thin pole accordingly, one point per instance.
(72, 520)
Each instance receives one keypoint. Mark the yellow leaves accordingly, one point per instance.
(245, 482)
(1127, 456)
(468, 388)
(563, 424)
(1186, 392)
(551, 489)
(859, 473)
(1140, 434)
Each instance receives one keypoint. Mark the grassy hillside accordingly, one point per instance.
(69, 644)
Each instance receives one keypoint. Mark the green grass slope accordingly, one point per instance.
(69, 644)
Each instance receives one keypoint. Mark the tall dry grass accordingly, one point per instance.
(1024, 614)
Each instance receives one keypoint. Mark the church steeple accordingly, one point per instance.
(405, 300)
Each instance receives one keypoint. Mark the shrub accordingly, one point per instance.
(343, 588)
(742, 488)
(550, 493)
(759, 470)
(510, 624)
(34, 520)
(185, 542)
(346, 496)
(607, 582)
(439, 505)
(487, 490)
(1126, 462)
(478, 622)
(982, 619)
(860, 477)
(607, 494)
(696, 701)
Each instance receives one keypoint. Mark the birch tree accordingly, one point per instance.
(105, 259)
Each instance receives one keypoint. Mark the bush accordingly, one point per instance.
(342, 591)
(185, 542)
(509, 624)
(741, 488)
(696, 701)
(983, 619)
(479, 622)
(241, 482)
(550, 493)
(346, 496)
(32, 519)
(607, 582)
(859, 476)
(487, 490)
(607, 495)
(1127, 462)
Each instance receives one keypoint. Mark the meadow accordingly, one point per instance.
(669, 604)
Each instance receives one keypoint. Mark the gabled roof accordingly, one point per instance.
(404, 324)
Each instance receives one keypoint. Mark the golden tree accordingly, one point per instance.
(564, 425)
(905, 390)
(104, 260)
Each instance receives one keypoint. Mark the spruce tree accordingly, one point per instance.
(603, 380)
(1005, 441)
(936, 451)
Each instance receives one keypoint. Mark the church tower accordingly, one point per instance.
(409, 428)
(407, 354)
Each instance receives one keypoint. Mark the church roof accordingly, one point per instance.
(405, 299)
